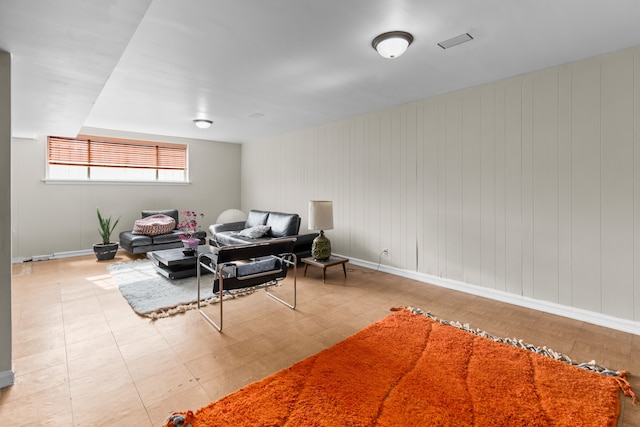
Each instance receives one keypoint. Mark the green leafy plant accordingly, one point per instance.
(107, 225)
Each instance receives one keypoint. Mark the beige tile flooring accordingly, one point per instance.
(83, 358)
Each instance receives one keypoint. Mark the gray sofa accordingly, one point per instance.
(263, 226)
(140, 243)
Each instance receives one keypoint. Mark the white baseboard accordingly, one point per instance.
(55, 255)
(595, 318)
(6, 379)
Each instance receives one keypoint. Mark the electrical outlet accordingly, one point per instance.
(385, 252)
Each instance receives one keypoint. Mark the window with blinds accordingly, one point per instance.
(110, 159)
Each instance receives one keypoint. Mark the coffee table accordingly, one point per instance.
(333, 260)
(174, 264)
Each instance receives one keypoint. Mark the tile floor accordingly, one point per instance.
(83, 358)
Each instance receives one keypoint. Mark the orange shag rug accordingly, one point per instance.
(411, 369)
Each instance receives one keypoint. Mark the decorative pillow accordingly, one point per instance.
(255, 231)
(154, 225)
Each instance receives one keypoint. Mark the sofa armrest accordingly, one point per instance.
(230, 226)
(305, 239)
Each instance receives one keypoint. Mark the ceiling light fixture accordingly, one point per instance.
(202, 123)
(392, 44)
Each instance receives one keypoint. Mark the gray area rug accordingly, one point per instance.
(154, 296)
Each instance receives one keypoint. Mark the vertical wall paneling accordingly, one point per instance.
(371, 217)
(411, 123)
(315, 142)
(399, 184)
(454, 193)
(472, 185)
(513, 188)
(422, 220)
(586, 220)
(385, 204)
(443, 166)
(357, 214)
(500, 187)
(428, 211)
(378, 170)
(528, 185)
(341, 155)
(565, 225)
(383, 128)
(545, 186)
(324, 186)
(488, 212)
(342, 190)
(617, 185)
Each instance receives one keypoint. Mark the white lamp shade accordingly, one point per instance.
(231, 215)
(320, 215)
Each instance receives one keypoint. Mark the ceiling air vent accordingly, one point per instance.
(455, 41)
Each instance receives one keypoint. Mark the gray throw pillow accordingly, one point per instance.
(255, 231)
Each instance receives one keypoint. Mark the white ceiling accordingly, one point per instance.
(259, 68)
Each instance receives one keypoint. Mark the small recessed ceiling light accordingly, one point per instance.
(256, 115)
(202, 123)
(392, 44)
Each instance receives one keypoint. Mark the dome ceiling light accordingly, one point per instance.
(392, 44)
(203, 123)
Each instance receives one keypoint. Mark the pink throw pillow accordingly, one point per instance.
(154, 225)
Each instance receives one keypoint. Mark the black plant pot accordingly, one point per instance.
(105, 252)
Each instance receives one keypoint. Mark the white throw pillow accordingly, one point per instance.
(255, 231)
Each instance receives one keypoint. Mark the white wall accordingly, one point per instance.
(6, 372)
(529, 185)
(54, 218)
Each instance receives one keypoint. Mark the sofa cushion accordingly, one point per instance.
(226, 238)
(256, 218)
(255, 231)
(173, 236)
(258, 266)
(153, 225)
(128, 239)
(283, 224)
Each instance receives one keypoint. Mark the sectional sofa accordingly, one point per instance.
(141, 243)
(261, 226)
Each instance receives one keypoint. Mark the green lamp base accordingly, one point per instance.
(321, 248)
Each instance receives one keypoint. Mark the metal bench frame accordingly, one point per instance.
(227, 257)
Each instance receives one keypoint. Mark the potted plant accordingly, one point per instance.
(189, 226)
(105, 250)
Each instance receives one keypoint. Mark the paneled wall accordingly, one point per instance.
(529, 185)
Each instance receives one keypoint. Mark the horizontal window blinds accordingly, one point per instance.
(116, 153)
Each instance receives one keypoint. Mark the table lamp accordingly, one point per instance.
(321, 218)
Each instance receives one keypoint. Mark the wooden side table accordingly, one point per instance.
(333, 260)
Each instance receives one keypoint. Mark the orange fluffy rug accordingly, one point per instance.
(410, 369)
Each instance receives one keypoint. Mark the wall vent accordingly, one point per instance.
(455, 41)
